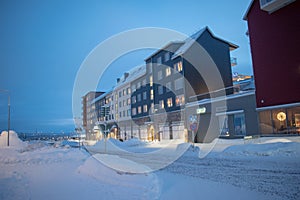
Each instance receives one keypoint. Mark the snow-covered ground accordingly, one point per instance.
(263, 168)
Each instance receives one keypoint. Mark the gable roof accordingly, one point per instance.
(164, 47)
(248, 10)
(190, 41)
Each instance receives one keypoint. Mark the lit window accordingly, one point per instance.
(124, 92)
(151, 94)
(128, 90)
(116, 97)
(170, 102)
(160, 89)
(180, 100)
(124, 102)
(151, 80)
(178, 66)
(145, 108)
(144, 95)
(168, 71)
(128, 101)
(159, 75)
(139, 109)
(116, 106)
(179, 84)
(161, 104)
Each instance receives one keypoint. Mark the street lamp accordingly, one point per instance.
(8, 115)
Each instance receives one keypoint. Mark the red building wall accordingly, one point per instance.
(275, 48)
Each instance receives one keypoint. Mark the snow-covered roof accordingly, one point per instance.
(102, 96)
(165, 47)
(132, 74)
(190, 41)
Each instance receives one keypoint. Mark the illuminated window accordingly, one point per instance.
(116, 106)
(151, 94)
(145, 108)
(168, 71)
(170, 102)
(124, 92)
(128, 101)
(161, 104)
(180, 100)
(124, 102)
(178, 66)
(139, 109)
(128, 90)
(151, 80)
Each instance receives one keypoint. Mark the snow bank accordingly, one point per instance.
(14, 140)
(144, 185)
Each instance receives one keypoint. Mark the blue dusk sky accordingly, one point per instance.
(43, 44)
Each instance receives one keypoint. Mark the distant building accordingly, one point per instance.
(274, 30)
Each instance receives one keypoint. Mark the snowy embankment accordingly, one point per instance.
(264, 168)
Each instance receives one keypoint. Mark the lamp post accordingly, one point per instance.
(8, 115)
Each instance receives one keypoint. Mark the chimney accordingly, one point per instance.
(126, 74)
(118, 80)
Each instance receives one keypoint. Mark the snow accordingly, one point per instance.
(14, 141)
(261, 168)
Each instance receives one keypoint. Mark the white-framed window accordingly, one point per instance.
(151, 80)
(151, 94)
(145, 108)
(178, 83)
(159, 75)
(168, 86)
(158, 61)
(167, 56)
(133, 111)
(168, 71)
(180, 100)
(161, 104)
(178, 66)
(139, 109)
(145, 95)
(170, 102)
(160, 89)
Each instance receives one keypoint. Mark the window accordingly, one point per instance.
(124, 102)
(133, 111)
(133, 99)
(116, 97)
(124, 92)
(179, 100)
(159, 75)
(161, 104)
(151, 80)
(128, 90)
(178, 66)
(144, 95)
(144, 82)
(124, 113)
(120, 104)
(116, 106)
(179, 84)
(128, 101)
(138, 85)
(167, 56)
(120, 93)
(145, 108)
(139, 109)
(120, 114)
(168, 86)
(128, 112)
(151, 94)
(160, 89)
(170, 102)
(168, 71)
(158, 61)
(139, 97)
(149, 66)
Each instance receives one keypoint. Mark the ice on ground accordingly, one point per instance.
(14, 141)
